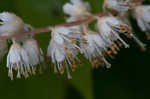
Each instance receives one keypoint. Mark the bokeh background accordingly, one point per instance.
(129, 77)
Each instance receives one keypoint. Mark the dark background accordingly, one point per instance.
(129, 77)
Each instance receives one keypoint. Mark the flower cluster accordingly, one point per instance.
(24, 53)
(23, 58)
(72, 38)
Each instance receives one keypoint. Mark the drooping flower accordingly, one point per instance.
(18, 59)
(10, 24)
(63, 49)
(142, 15)
(107, 26)
(92, 45)
(76, 8)
(93, 48)
(34, 52)
(117, 5)
(110, 29)
(3, 48)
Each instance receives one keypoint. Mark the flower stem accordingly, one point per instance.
(49, 28)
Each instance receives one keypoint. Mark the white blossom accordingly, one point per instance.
(109, 28)
(76, 8)
(34, 52)
(93, 48)
(142, 15)
(118, 5)
(63, 49)
(18, 59)
(10, 24)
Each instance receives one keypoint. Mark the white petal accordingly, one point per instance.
(68, 8)
(62, 30)
(59, 55)
(58, 38)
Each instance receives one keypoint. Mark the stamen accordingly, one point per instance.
(148, 36)
(10, 74)
(123, 29)
(83, 33)
(113, 50)
(95, 62)
(61, 69)
(68, 73)
(108, 65)
(55, 69)
(84, 41)
(26, 75)
(119, 43)
(115, 46)
(73, 67)
(109, 53)
(33, 70)
(142, 46)
(29, 70)
(73, 41)
(122, 41)
(22, 71)
(18, 74)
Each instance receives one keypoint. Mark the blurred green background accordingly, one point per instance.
(129, 77)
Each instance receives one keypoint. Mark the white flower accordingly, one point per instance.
(34, 52)
(93, 47)
(142, 15)
(65, 34)
(118, 5)
(76, 8)
(109, 28)
(3, 48)
(10, 24)
(63, 48)
(18, 59)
